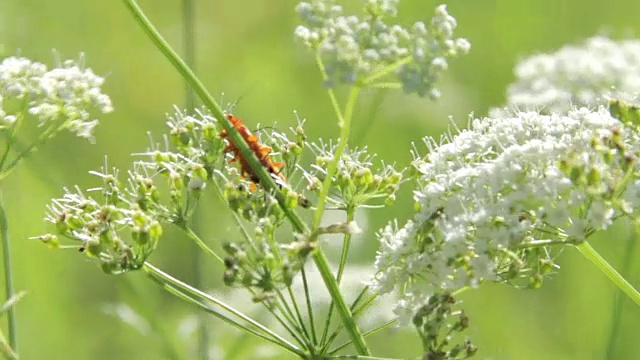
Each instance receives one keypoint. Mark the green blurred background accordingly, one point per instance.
(245, 49)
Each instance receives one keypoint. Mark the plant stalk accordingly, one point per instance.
(265, 178)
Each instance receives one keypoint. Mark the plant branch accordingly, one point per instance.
(8, 276)
(592, 255)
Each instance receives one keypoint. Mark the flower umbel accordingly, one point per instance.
(363, 50)
(577, 75)
(120, 224)
(60, 98)
(493, 200)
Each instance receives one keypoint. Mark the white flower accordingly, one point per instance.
(486, 193)
(582, 75)
(353, 48)
(20, 77)
(67, 93)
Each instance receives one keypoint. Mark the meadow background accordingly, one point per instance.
(245, 49)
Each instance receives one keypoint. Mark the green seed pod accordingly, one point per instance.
(93, 248)
(363, 177)
(209, 132)
(140, 235)
(51, 240)
(176, 182)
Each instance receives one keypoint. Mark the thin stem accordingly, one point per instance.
(343, 260)
(346, 316)
(592, 255)
(344, 122)
(386, 325)
(170, 283)
(8, 276)
(188, 37)
(365, 128)
(616, 312)
(351, 214)
(357, 357)
(298, 315)
(386, 70)
(11, 136)
(288, 322)
(307, 297)
(356, 309)
(254, 163)
(199, 242)
(386, 85)
(44, 137)
(6, 350)
(345, 128)
(169, 345)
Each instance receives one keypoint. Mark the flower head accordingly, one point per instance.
(353, 48)
(492, 197)
(60, 98)
(577, 75)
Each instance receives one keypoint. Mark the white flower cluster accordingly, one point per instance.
(492, 195)
(353, 48)
(66, 93)
(583, 75)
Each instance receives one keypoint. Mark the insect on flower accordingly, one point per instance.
(261, 151)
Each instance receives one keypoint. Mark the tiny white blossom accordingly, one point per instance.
(67, 93)
(487, 194)
(20, 77)
(355, 47)
(577, 75)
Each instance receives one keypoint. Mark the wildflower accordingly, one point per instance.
(492, 198)
(60, 98)
(577, 75)
(119, 228)
(355, 48)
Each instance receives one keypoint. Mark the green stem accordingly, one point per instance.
(44, 137)
(343, 260)
(616, 311)
(307, 296)
(10, 137)
(140, 304)
(199, 242)
(345, 128)
(188, 20)
(344, 122)
(254, 163)
(370, 118)
(8, 276)
(6, 350)
(592, 255)
(179, 288)
(386, 70)
(386, 325)
(209, 102)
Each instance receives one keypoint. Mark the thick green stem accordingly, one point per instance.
(8, 276)
(265, 178)
(592, 255)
